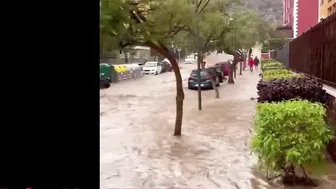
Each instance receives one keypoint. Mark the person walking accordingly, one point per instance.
(251, 63)
(256, 63)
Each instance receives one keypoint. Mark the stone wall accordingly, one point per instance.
(331, 117)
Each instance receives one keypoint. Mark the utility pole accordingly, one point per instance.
(198, 61)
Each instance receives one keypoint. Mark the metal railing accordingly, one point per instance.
(282, 54)
(314, 52)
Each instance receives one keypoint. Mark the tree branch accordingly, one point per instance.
(175, 30)
(198, 5)
(206, 4)
(207, 41)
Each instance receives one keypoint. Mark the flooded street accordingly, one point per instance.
(138, 149)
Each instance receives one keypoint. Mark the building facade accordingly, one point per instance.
(288, 18)
(307, 15)
(299, 16)
(327, 7)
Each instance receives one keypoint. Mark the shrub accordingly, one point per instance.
(290, 134)
(271, 64)
(272, 68)
(267, 61)
(286, 89)
(280, 76)
(277, 71)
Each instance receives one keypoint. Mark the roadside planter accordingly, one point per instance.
(290, 131)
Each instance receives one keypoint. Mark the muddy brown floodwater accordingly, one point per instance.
(138, 150)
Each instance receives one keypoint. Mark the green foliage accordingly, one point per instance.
(161, 20)
(281, 76)
(113, 18)
(149, 20)
(276, 72)
(290, 133)
(276, 43)
(265, 47)
(274, 40)
(270, 64)
(267, 61)
(244, 32)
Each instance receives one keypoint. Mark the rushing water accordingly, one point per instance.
(139, 151)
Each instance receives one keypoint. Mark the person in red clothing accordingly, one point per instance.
(251, 63)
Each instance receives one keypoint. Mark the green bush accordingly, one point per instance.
(290, 134)
(267, 61)
(271, 64)
(281, 76)
(276, 72)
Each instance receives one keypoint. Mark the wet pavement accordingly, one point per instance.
(138, 149)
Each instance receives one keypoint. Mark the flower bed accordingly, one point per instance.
(290, 131)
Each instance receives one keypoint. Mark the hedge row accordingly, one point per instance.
(281, 84)
(304, 88)
(289, 126)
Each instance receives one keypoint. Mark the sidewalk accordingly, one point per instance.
(224, 126)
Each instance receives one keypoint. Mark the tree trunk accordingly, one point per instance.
(233, 69)
(230, 80)
(241, 68)
(161, 49)
(201, 61)
(126, 57)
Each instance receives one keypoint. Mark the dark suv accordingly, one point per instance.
(206, 75)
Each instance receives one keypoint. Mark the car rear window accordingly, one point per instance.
(194, 73)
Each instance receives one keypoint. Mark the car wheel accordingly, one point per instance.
(156, 73)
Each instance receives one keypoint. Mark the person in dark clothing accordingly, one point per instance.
(256, 63)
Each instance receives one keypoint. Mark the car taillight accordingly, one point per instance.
(209, 78)
(190, 78)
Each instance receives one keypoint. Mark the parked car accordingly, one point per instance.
(190, 59)
(206, 75)
(225, 67)
(169, 68)
(164, 66)
(218, 69)
(151, 68)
